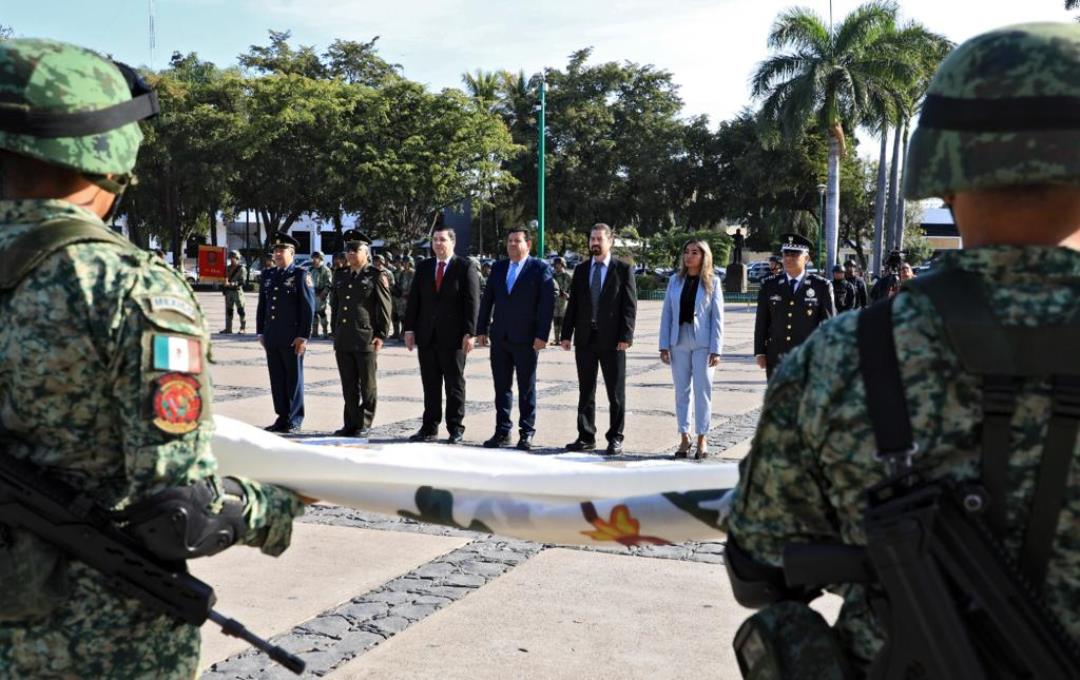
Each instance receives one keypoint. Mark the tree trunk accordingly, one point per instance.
(900, 190)
(879, 201)
(832, 203)
(894, 175)
(213, 228)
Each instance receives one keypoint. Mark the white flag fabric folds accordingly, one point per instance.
(567, 499)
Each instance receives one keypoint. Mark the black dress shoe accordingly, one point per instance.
(497, 440)
(422, 436)
(276, 427)
(525, 443)
(455, 438)
(580, 445)
(291, 429)
(345, 432)
(613, 449)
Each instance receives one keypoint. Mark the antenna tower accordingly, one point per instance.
(153, 37)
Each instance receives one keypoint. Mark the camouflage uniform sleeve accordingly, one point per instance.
(782, 495)
(161, 392)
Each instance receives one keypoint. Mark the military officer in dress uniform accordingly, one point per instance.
(360, 301)
(790, 305)
(283, 322)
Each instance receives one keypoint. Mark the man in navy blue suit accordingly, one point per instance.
(283, 322)
(521, 293)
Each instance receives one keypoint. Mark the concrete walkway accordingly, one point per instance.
(368, 596)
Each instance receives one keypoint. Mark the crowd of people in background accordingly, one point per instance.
(445, 305)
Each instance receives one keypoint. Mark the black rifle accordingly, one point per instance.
(952, 603)
(71, 521)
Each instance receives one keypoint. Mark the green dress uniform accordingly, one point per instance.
(361, 304)
(562, 296)
(322, 279)
(235, 278)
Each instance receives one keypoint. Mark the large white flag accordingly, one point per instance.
(568, 498)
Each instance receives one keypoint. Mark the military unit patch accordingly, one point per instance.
(177, 403)
(177, 353)
(174, 303)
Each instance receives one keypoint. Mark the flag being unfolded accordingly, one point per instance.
(567, 499)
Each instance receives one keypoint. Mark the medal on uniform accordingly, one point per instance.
(177, 403)
(809, 292)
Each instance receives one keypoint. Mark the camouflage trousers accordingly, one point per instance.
(234, 299)
(320, 317)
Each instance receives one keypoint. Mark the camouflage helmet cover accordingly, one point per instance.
(1002, 110)
(51, 77)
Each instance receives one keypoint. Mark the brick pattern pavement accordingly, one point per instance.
(370, 618)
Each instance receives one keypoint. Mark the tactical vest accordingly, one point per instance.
(956, 626)
(34, 572)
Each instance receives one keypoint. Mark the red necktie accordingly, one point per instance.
(439, 275)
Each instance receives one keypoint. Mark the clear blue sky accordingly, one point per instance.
(710, 46)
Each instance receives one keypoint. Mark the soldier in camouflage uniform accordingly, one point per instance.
(87, 393)
(562, 295)
(991, 142)
(323, 280)
(235, 278)
(400, 290)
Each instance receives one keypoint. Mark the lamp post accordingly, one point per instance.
(821, 228)
(540, 170)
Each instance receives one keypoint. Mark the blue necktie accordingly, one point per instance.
(511, 276)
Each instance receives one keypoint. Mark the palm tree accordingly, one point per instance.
(833, 75)
(484, 87)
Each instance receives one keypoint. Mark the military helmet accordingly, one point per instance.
(72, 107)
(1002, 110)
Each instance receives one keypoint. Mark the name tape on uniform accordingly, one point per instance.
(173, 303)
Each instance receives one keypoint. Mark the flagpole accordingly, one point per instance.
(541, 252)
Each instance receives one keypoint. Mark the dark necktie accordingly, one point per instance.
(438, 276)
(594, 289)
(794, 285)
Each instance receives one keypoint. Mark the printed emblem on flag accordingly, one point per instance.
(177, 403)
(177, 353)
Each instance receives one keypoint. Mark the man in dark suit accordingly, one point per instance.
(601, 314)
(440, 319)
(283, 324)
(521, 293)
(790, 305)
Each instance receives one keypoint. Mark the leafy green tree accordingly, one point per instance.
(187, 165)
(281, 58)
(358, 63)
(6, 32)
(286, 145)
(420, 153)
(830, 75)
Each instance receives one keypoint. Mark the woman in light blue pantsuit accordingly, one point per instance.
(691, 335)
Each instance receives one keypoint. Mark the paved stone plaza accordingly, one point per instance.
(360, 595)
